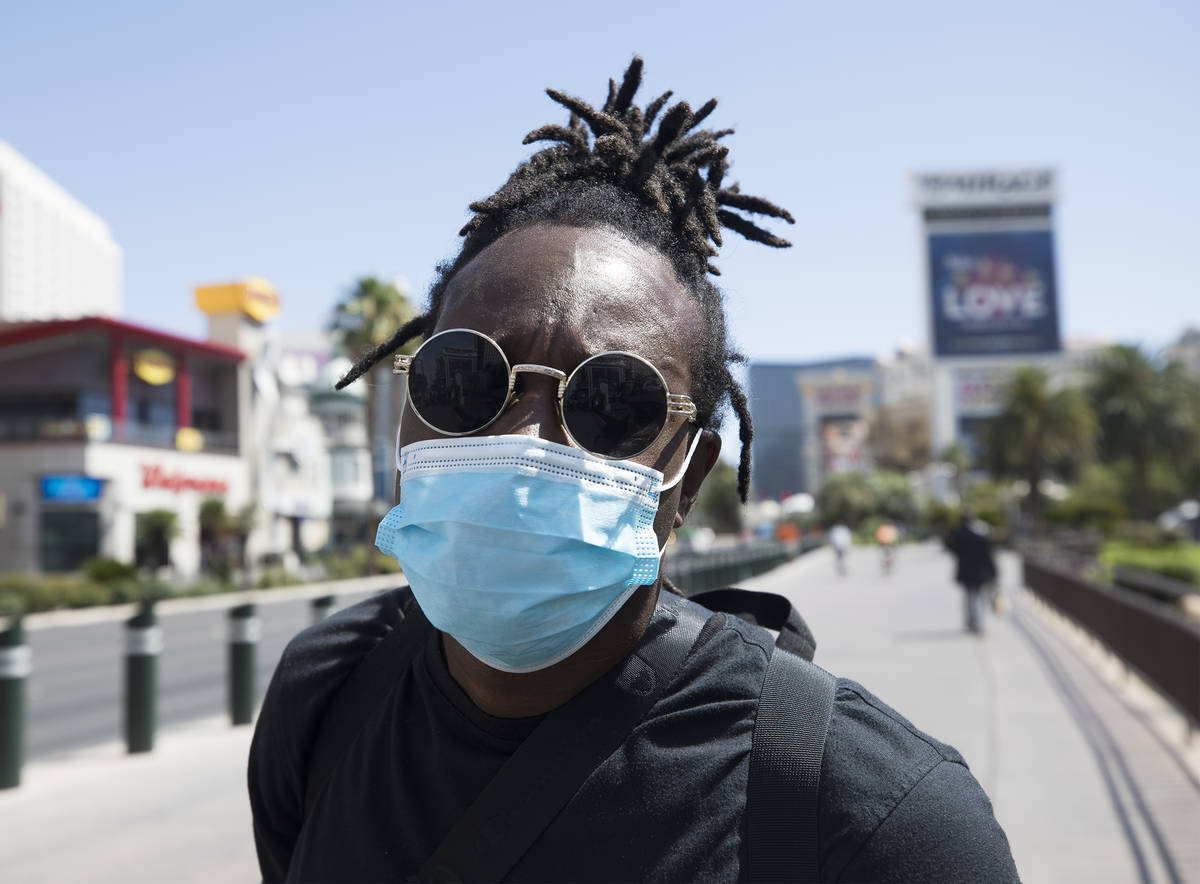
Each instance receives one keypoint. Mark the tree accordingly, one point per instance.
(846, 498)
(894, 497)
(223, 536)
(1140, 415)
(1038, 431)
(1097, 499)
(154, 530)
(369, 314)
(1183, 391)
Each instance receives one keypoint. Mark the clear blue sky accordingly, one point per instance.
(313, 143)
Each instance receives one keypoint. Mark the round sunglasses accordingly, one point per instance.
(613, 405)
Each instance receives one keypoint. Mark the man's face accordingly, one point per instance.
(554, 295)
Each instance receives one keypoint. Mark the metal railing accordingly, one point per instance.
(695, 572)
(1149, 637)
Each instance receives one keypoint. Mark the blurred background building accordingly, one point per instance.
(122, 441)
(58, 259)
(1186, 351)
(993, 305)
(810, 420)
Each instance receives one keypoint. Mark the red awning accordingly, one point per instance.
(34, 331)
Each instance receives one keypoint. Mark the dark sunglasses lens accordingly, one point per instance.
(458, 382)
(615, 405)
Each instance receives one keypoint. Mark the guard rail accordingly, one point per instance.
(1155, 640)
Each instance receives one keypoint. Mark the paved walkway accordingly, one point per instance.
(1087, 768)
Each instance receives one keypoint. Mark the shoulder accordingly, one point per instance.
(897, 804)
(313, 667)
(317, 661)
(327, 651)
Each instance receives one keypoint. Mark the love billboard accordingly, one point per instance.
(993, 293)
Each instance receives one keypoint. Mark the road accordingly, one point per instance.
(76, 689)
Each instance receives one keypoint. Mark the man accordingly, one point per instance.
(840, 539)
(560, 422)
(974, 568)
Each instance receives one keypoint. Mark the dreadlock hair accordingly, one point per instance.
(662, 187)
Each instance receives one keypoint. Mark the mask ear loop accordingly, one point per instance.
(396, 447)
(687, 462)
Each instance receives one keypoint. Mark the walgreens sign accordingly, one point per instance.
(154, 476)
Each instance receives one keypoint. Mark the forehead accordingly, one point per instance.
(556, 294)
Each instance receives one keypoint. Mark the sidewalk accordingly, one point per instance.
(177, 814)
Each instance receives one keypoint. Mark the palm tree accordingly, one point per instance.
(369, 314)
(1037, 431)
(1143, 415)
(1183, 392)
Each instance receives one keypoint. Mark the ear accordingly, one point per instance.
(708, 449)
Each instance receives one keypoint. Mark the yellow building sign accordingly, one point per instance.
(253, 296)
(154, 367)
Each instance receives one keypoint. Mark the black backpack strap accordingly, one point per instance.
(361, 695)
(548, 768)
(764, 609)
(794, 709)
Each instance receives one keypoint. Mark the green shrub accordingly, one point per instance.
(358, 560)
(1180, 561)
(11, 604)
(86, 594)
(106, 570)
(382, 563)
(1097, 499)
(276, 577)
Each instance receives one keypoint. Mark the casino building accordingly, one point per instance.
(811, 420)
(992, 304)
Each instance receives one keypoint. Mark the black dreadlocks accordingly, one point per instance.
(664, 189)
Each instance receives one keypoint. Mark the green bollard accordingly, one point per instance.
(16, 664)
(143, 645)
(245, 630)
(322, 607)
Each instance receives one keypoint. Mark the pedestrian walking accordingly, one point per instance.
(975, 569)
(840, 539)
(887, 536)
(539, 704)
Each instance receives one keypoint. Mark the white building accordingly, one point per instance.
(58, 259)
(1186, 351)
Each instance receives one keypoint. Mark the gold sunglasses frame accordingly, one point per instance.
(676, 403)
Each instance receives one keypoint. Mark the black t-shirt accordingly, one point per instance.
(895, 804)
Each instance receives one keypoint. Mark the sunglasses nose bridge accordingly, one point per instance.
(533, 409)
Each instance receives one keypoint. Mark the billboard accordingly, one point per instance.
(993, 293)
(980, 392)
(844, 444)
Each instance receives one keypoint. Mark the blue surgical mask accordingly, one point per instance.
(519, 548)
